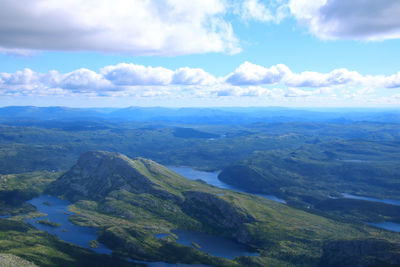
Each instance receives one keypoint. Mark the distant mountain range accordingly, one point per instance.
(223, 115)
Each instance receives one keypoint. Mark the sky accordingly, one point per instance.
(178, 53)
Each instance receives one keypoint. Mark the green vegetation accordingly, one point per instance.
(314, 176)
(51, 145)
(20, 239)
(130, 200)
(128, 216)
(94, 244)
(15, 189)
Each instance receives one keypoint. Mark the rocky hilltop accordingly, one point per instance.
(99, 176)
(98, 173)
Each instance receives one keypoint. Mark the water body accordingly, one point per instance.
(212, 179)
(160, 235)
(58, 212)
(385, 200)
(391, 226)
(213, 245)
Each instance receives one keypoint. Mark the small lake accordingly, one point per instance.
(57, 212)
(212, 179)
(391, 226)
(213, 245)
(386, 201)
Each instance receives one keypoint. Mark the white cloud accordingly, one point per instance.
(356, 19)
(295, 92)
(316, 79)
(81, 80)
(269, 11)
(131, 74)
(24, 77)
(252, 74)
(139, 27)
(393, 81)
(189, 76)
(249, 80)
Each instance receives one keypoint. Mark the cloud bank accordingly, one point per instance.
(248, 80)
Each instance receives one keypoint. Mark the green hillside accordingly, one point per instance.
(130, 200)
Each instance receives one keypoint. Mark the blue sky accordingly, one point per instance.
(200, 53)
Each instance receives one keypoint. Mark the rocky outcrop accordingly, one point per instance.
(362, 253)
(216, 213)
(98, 173)
(10, 260)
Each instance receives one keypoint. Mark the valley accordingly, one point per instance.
(271, 194)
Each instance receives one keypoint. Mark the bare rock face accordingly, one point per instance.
(98, 173)
(10, 260)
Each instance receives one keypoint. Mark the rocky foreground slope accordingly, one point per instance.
(130, 200)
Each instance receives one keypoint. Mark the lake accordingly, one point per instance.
(213, 245)
(57, 211)
(211, 178)
(391, 226)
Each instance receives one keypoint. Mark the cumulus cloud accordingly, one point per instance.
(316, 79)
(356, 19)
(131, 74)
(393, 81)
(248, 80)
(153, 27)
(189, 76)
(252, 74)
(129, 78)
